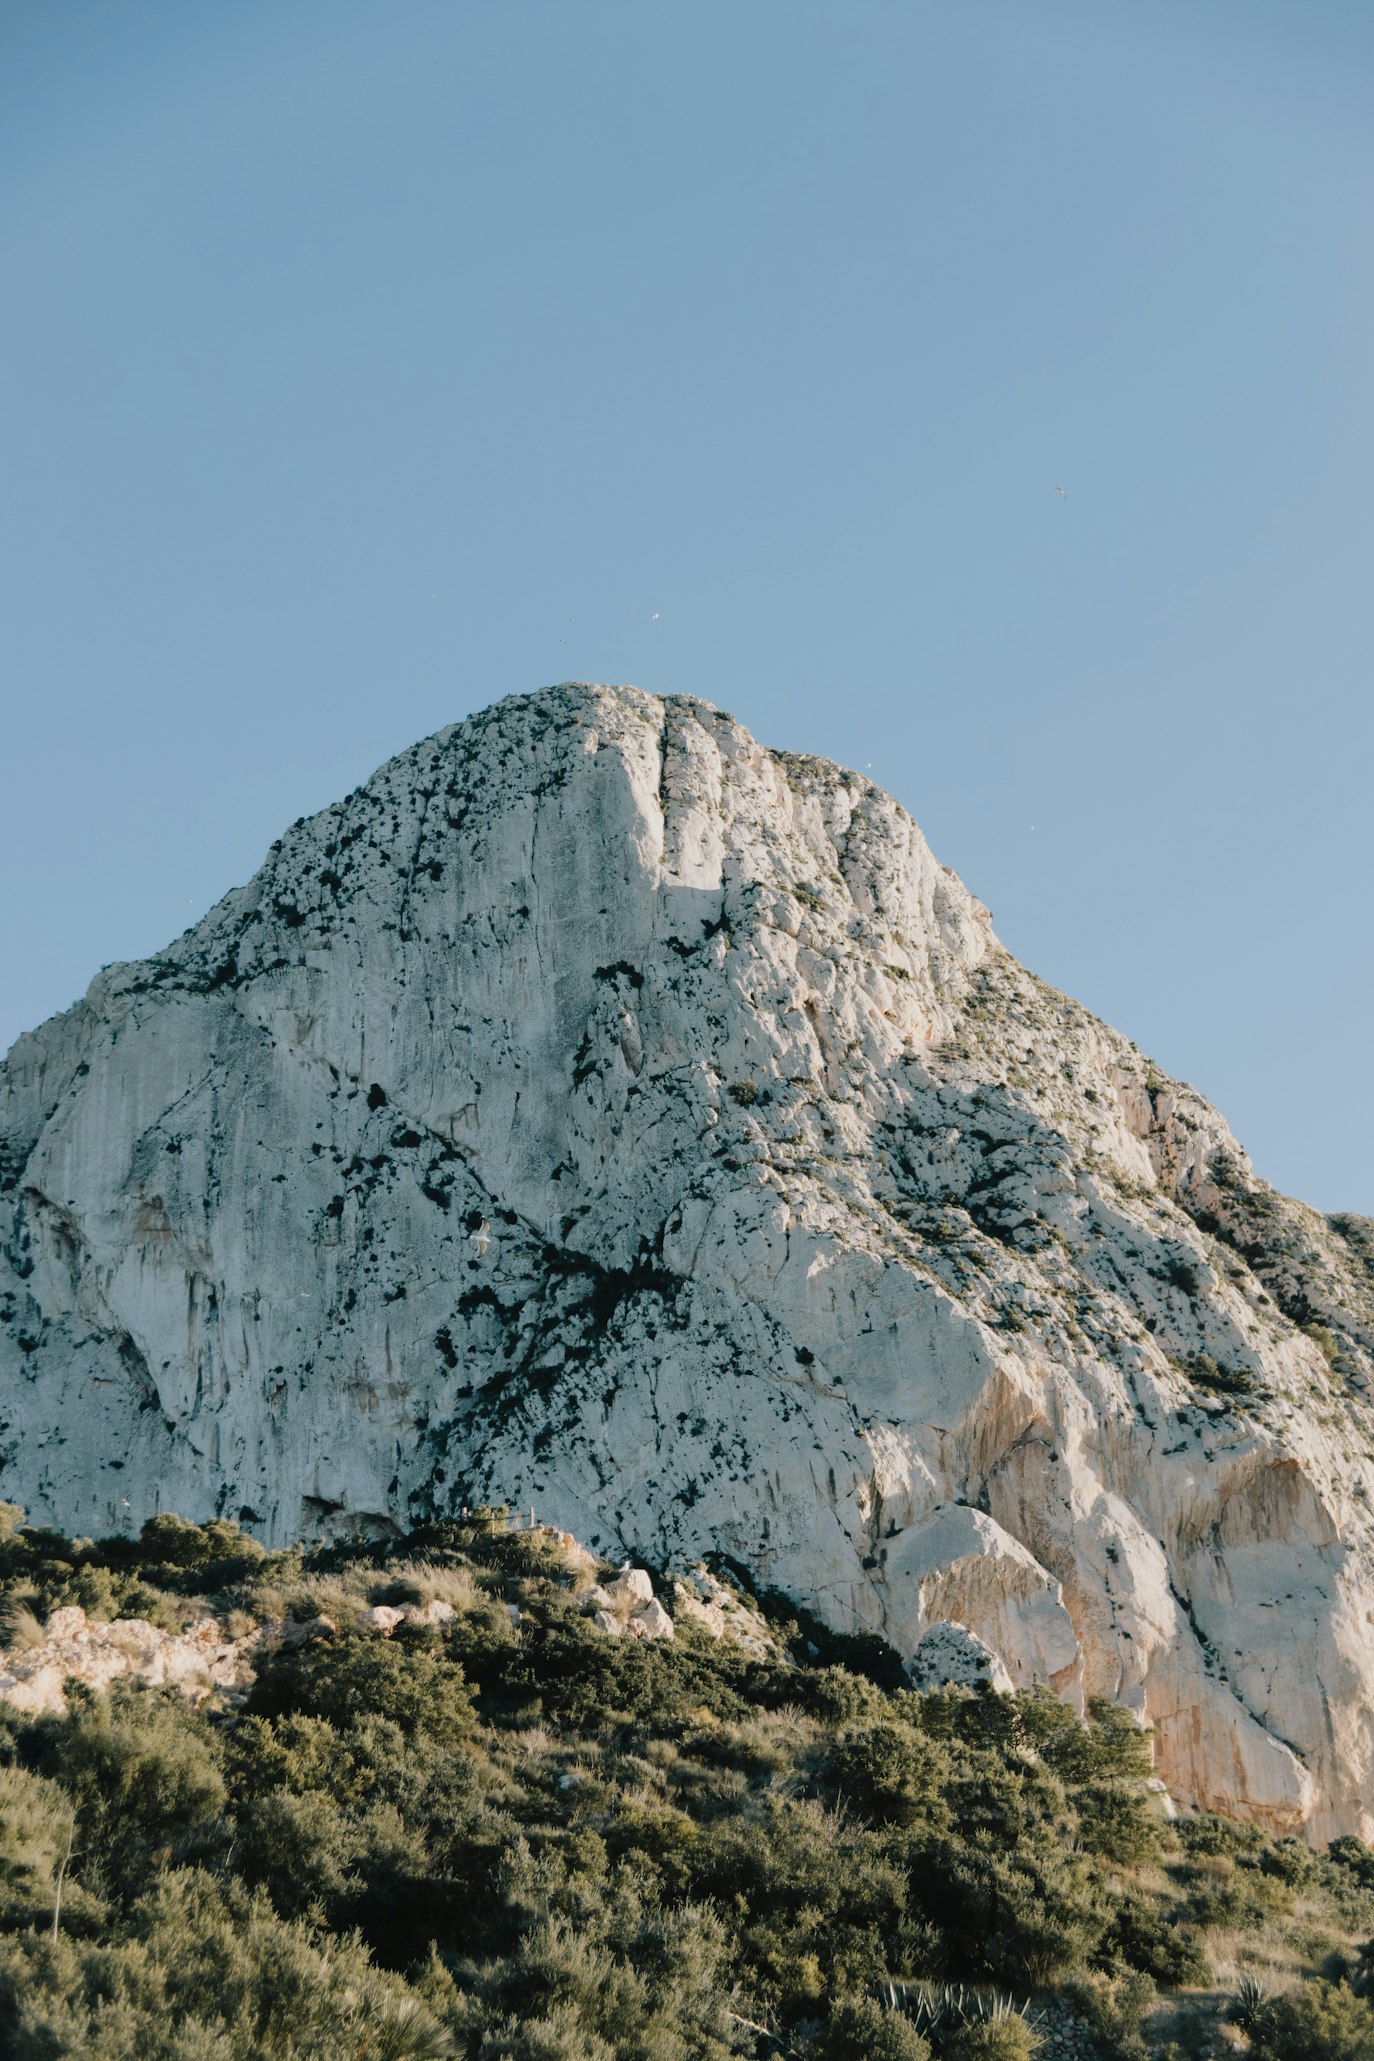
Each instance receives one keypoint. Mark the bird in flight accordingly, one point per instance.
(481, 1237)
(1062, 492)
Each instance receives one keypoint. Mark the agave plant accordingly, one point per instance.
(1244, 2006)
(404, 2032)
(938, 2009)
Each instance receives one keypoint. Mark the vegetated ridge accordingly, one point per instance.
(446, 1811)
(599, 1112)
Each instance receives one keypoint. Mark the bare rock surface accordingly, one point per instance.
(597, 1110)
(631, 1586)
(202, 1659)
(74, 1647)
(651, 1621)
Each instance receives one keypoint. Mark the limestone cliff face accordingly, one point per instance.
(600, 1112)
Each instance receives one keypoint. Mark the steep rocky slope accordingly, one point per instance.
(600, 1112)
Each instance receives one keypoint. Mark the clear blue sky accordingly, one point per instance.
(350, 351)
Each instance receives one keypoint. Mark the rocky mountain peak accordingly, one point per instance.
(600, 1112)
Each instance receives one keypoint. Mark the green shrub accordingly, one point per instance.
(1007, 2038)
(1204, 1372)
(410, 1681)
(1019, 1916)
(1156, 1940)
(862, 2030)
(891, 1775)
(1292, 1861)
(37, 1833)
(1209, 1834)
(1354, 1856)
(1239, 1902)
(1110, 1744)
(836, 1696)
(144, 1774)
(1114, 2008)
(1119, 1823)
(1323, 2021)
(207, 1972)
(533, 1840)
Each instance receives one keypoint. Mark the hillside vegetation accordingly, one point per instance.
(513, 1837)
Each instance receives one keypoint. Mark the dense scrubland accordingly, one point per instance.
(513, 1837)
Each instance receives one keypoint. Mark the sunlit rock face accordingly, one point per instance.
(601, 1113)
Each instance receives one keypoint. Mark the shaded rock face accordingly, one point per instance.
(949, 1656)
(597, 1111)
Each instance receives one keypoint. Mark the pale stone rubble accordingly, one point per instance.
(204, 1658)
(597, 1110)
(197, 1661)
(384, 1617)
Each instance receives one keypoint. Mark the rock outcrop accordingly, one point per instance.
(628, 1604)
(702, 1598)
(597, 1111)
(73, 1647)
(208, 1658)
(950, 1656)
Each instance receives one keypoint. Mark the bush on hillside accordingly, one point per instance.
(1323, 2021)
(508, 1840)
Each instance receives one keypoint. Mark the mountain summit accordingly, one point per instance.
(599, 1112)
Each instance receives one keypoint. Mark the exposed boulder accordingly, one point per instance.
(381, 1617)
(434, 1613)
(631, 1586)
(651, 1621)
(950, 1656)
